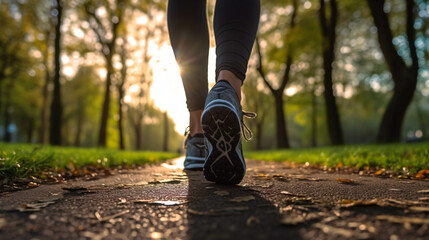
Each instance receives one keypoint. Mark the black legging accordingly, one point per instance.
(235, 26)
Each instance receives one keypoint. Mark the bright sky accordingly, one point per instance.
(167, 89)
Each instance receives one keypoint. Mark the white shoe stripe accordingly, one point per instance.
(195, 158)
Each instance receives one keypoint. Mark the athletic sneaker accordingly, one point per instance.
(222, 122)
(194, 146)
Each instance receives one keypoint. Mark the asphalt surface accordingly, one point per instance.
(273, 201)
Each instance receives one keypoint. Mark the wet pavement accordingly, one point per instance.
(274, 201)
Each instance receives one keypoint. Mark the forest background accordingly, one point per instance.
(83, 73)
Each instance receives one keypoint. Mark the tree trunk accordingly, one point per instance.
(282, 140)
(137, 129)
(106, 106)
(329, 37)
(404, 77)
(120, 121)
(56, 105)
(45, 94)
(121, 93)
(79, 126)
(393, 117)
(165, 145)
(313, 119)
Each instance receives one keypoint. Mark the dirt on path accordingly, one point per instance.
(272, 202)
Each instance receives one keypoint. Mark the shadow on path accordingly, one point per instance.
(226, 212)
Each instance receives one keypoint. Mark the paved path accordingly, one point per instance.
(272, 202)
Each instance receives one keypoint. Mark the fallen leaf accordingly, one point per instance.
(168, 203)
(419, 209)
(344, 180)
(34, 207)
(32, 184)
(424, 199)
(221, 193)
(350, 203)
(379, 172)
(263, 185)
(334, 230)
(242, 199)
(281, 178)
(400, 219)
(168, 181)
(422, 174)
(122, 201)
(299, 200)
(290, 194)
(262, 176)
(2, 223)
(165, 203)
(252, 220)
(292, 219)
(107, 218)
(423, 191)
(395, 190)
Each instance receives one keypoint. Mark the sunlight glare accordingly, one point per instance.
(167, 89)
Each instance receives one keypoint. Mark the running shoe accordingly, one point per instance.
(194, 146)
(222, 123)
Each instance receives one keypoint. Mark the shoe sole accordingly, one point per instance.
(224, 158)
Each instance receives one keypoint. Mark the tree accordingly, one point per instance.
(121, 93)
(328, 43)
(56, 105)
(282, 136)
(106, 29)
(403, 76)
(82, 100)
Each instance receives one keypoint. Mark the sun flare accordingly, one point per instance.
(167, 89)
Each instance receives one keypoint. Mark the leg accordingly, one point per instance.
(189, 36)
(235, 25)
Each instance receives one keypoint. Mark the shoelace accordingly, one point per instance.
(247, 133)
(187, 131)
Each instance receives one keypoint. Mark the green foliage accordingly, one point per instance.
(24, 160)
(397, 157)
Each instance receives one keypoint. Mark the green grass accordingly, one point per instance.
(24, 160)
(396, 157)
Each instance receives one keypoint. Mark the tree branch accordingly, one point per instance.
(259, 66)
(381, 21)
(411, 33)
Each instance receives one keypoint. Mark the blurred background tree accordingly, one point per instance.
(321, 73)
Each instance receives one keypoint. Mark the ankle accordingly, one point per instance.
(195, 123)
(233, 80)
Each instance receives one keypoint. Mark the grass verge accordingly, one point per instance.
(408, 158)
(25, 160)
